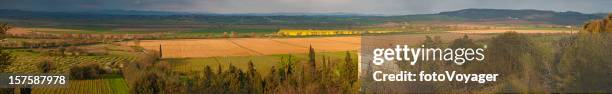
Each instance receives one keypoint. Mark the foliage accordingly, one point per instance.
(4, 27)
(524, 62)
(290, 75)
(155, 83)
(45, 66)
(5, 58)
(600, 25)
(584, 60)
(86, 71)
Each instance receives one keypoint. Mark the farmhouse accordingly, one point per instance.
(310, 32)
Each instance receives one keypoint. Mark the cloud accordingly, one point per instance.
(269, 6)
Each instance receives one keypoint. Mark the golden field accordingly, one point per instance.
(186, 48)
(195, 48)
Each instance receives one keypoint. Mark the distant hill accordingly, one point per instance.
(602, 14)
(133, 17)
(564, 18)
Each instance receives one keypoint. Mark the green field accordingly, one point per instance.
(117, 84)
(263, 64)
(109, 84)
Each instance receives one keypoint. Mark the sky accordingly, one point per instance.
(379, 7)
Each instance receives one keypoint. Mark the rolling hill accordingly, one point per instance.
(132, 17)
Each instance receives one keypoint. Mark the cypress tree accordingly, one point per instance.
(311, 60)
(160, 51)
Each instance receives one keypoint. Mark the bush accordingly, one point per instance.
(45, 66)
(86, 71)
(524, 62)
(584, 59)
(584, 66)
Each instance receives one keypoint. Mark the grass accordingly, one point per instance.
(263, 64)
(117, 84)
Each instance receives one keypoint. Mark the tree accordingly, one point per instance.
(350, 68)
(61, 50)
(311, 61)
(600, 25)
(523, 61)
(464, 42)
(4, 27)
(254, 80)
(5, 58)
(234, 34)
(86, 71)
(584, 60)
(160, 51)
(156, 80)
(45, 66)
(432, 42)
(136, 42)
(150, 83)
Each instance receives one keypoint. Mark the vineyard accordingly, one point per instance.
(94, 86)
(25, 61)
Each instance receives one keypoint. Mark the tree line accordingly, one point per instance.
(290, 75)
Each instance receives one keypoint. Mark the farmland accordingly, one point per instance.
(185, 48)
(190, 56)
(25, 60)
(109, 85)
(28, 60)
(262, 63)
(151, 48)
(172, 32)
(193, 48)
(56, 30)
(497, 31)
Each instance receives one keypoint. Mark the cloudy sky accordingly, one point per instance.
(387, 7)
